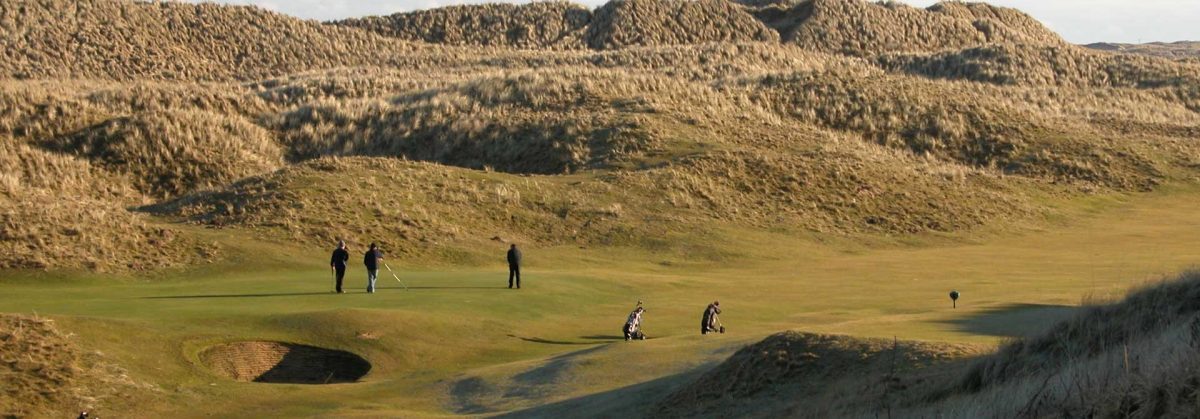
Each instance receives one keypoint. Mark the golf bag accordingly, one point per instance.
(709, 322)
(633, 333)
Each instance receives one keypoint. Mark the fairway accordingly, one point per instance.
(460, 342)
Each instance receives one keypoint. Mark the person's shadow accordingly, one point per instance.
(281, 294)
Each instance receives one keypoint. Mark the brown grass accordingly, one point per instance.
(1068, 66)
(860, 28)
(693, 108)
(46, 374)
(550, 25)
(1178, 50)
(621, 23)
(63, 212)
(169, 40)
(1134, 358)
(794, 374)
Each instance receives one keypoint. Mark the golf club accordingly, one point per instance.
(389, 268)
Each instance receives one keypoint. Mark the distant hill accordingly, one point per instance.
(553, 25)
(171, 40)
(1181, 49)
(862, 28)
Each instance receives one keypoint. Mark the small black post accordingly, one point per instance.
(954, 298)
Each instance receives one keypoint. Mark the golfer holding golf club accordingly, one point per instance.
(372, 259)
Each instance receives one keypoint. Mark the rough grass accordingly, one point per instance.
(1178, 50)
(730, 129)
(65, 213)
(46, 373)
(169, 40)
(621, 23)
(1060, 65)
(550, 25)
(1131, 358)
(174, 152)
(862, 28)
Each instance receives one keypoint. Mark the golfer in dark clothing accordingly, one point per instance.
(338, 264)
(514, 266)
(371, 259)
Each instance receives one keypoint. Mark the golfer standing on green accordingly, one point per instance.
(514, 266)
(372, 259)
(337, 263)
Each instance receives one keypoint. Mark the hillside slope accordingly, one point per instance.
(47, 374)
(692, 114)
(552, 25)
(1132, 358)
(168, 40)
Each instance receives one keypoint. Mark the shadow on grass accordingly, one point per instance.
(638, 400)
(445, 288)
(552, 342)
(1014, 320)
(281, 294)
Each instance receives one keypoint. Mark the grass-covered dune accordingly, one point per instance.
(173, 176)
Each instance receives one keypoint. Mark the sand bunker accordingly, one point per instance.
(277, 362)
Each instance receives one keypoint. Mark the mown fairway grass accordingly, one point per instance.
(459, 342)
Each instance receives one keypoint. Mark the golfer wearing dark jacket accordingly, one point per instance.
(371, 259)
(338, 264)
(514, 266)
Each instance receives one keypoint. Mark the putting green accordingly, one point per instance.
(460, 342)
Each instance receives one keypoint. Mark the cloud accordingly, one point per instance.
(1080, 21)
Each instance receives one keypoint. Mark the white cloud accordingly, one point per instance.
(1079, 21)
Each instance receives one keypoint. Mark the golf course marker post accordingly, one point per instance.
(954, 298)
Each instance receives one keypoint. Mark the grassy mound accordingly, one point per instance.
(821, 374)
(529, 123)
(1176, 50)
(174, 152)
(169, 40)
(46, 374)
(978, 126)
(1048, 66)
(92, 230)
(622, 23)
(552, 25)
(861, 28)
(1132, 358)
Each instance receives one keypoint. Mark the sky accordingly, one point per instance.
(1079, 21)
